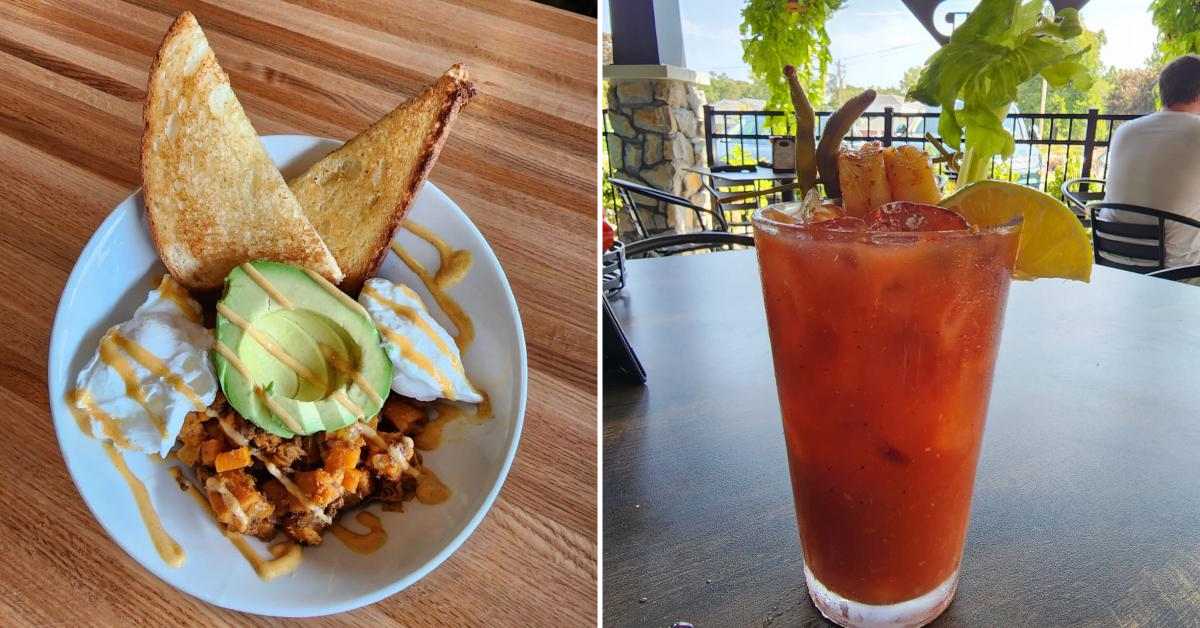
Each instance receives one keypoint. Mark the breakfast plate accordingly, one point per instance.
(115, 271)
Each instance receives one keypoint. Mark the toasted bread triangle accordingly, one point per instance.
(358, 194)
(213, 197)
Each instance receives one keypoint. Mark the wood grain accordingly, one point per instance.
(1086, 496)
(521, 162)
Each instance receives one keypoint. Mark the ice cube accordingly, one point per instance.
(908, 216)
(842, 223)
(778, 215)
(826, 212)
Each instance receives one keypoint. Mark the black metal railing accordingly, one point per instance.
(1051, 147)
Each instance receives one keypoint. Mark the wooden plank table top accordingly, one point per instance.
(520, 161)
(1087, 497)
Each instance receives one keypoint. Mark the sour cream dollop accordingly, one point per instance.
(150, 371)
(427, 362)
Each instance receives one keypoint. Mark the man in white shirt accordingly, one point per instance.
(1154, 161)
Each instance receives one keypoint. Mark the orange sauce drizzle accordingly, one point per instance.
(431, 436)
(266, 286)
(362, 543)
(287, 482)
(174, 292)
(430, 489)
(168, 549)
(157, 367)
(337, 293)
(270, 345)
(110, 355)
(286, 555)
(84, 416)
(460, 319)
(266, 399)
(413, 316)
(455, 262)
(411, 354)
(346, 369)
(351, 407)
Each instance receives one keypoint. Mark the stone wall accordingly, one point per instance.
(658, 130)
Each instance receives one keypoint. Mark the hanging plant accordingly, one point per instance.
(1178, 23)
(776, 33)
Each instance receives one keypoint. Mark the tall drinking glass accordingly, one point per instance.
(884, 346)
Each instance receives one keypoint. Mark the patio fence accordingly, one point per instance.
(1050, 147)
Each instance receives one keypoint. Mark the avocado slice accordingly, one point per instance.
(297, 357)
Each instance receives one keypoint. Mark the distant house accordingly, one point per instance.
(739, 104)
(897, 103)
(882, 101)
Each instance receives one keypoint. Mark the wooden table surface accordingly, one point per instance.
(520, 161)
(1087, 497)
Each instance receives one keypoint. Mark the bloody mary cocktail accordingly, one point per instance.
(884, 345)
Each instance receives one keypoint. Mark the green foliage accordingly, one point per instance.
(1071, 98)
(1063, 166)
(1133, 90)
(723, 86)
(1178, 23)
(738, 156)
(839, 97)
(1002, 44)
(909, 80)
(773, 37)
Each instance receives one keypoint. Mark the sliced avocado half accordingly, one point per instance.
(311, 360)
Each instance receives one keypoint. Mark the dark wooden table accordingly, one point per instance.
(738, 177)
(748, 177)
(1087, 501)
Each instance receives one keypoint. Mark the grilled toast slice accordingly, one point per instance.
(357, 195)
(213, 197)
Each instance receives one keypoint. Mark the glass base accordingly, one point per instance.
(915, 612)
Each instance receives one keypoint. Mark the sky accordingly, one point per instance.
(878, 40)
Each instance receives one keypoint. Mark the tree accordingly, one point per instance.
(910, 79)
(722, 86)
(774, 36)
(837, 98)
(1178, 23)
(1133, 90)
(1069, 98)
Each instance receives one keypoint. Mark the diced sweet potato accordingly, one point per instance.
(320, 487)
(233, 459)
(241, 484)
(350, 479)
(341, 456)
(209, 450)
(190, 436)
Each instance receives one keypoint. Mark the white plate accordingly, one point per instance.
(112, 276)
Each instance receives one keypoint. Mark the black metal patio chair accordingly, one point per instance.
(1077, 193)
(1178, 273)
(675, 243)
(1142, 244)
(628, 190)
(737, 201)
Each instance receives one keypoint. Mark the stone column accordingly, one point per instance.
(659, 131)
